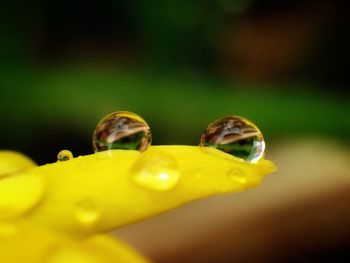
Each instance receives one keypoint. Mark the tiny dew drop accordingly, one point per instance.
(197, 173)
(64, 155)
(238, 175)
(236, 136)
(122, 130)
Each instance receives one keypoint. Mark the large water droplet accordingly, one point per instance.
(236, 136)
(156, 171)
(122, 130)
(64, 155)
(86, 212)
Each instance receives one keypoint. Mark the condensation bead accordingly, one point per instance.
(236, 136)
(86, 212)
(64, 155)
(122, 130)
(157, 171)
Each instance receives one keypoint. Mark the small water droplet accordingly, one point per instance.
(86, 212)
(198, 173)
(236, 136)
(83, 165)
(237, 175)
(122, 130)
(64, 155)
(157, 171)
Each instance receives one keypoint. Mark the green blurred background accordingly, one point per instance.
(182, 64)
(179, 64)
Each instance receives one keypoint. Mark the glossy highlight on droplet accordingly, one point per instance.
(86, 212)
(236, 136)
(156, 171)
(238, 175)
(122, 130)
(64, 155)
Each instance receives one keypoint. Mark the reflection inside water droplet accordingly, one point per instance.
(156, 171)
(236, 136)
(86, 212)
(64, 155)
(122, 130)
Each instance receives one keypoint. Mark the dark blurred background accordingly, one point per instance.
(182, 64)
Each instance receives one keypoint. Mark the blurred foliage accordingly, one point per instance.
(60, 108)
(64, 65)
